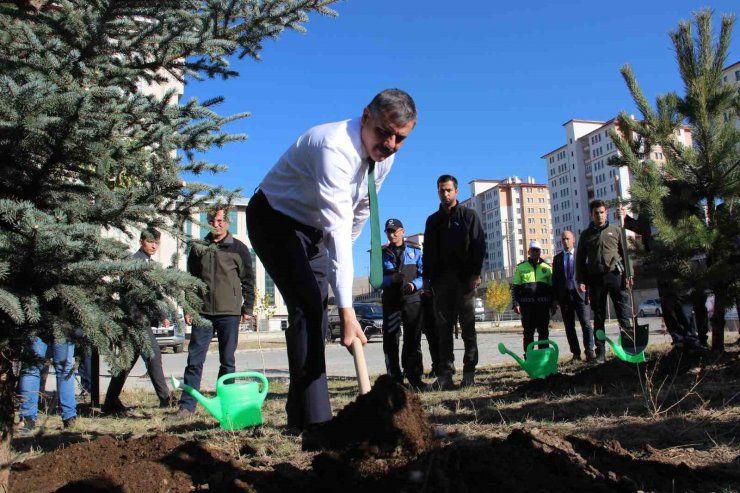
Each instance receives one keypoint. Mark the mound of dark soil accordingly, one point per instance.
(387, 420)
(527, 460)
(157, 463)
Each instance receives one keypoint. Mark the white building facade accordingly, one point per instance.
(513, 213)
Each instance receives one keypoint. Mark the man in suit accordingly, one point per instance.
(573, 302)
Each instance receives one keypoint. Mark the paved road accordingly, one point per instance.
(274, 362)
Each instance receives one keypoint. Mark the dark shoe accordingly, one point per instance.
(600, 358)
(443, 383)
(169, 402)
(27, 426)
(314, 437)
(417, 385)
(70, 423)
(183, 413)
(468, 379)
(115, 409)
(432, 373)
(576, 357)
(590, 356)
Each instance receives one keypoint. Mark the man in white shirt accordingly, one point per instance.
(302, 221)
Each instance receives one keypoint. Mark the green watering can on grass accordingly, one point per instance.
(237, 405)
(629, 347)
(541, 362)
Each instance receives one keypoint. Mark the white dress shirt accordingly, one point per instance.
(321, 181)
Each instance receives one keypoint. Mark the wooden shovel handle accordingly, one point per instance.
(358, 354)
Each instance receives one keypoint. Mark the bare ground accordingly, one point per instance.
(669, 425)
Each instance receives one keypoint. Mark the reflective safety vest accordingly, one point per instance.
(532, 284)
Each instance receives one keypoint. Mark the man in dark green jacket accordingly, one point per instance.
(228, 299)
(600, 269)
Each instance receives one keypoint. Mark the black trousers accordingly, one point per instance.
(609, 285)
(153, 362)
(453, 299)
(407, 312)
(295, 257)
(429, 328)
(535, 318)
(572, 307)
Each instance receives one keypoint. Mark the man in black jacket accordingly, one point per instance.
(228, 299)
(454, 248)
(600, 269)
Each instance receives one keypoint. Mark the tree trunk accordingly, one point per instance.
(7, 413)
(718, 321)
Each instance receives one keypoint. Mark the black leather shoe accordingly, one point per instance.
(314, 437)
(114, 409)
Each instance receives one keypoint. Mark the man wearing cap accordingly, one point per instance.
(532, 292)
(454, 249)
(402, 282)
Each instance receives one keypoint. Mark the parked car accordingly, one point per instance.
(649, 307)
(172, 336)
(370, 316)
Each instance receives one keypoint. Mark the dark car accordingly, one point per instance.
(370, 316)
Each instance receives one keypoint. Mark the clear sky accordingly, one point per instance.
(493, 83)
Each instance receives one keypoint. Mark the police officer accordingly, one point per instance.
(532, 293)
(402, 282)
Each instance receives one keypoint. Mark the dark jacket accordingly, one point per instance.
(599, 251)
(408, 261)
(532, 284)
(227, 271)
(453, 241)
(560, 283)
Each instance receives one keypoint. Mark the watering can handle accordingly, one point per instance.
(246, 374)
(543, 342)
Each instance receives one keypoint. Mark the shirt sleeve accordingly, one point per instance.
(333, 177)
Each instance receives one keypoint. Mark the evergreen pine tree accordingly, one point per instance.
(84, 152)
(703, 176)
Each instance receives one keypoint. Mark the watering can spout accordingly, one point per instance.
(502, 349)
(213, 405)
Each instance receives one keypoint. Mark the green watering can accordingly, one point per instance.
(540, 363)
(237, 405)
(629, 347)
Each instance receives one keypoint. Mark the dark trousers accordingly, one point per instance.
(535, 318)
(295, 257)
(429, 327)
(573, 306)
(609, 285)
(409, 313)
(453, 299)
(153, 361)
(226, 328)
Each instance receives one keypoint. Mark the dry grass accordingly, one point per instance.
(706, 422)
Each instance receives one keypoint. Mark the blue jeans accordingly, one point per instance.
(63, 357)
(227, 329)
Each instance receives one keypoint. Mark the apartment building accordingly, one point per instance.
(513, 213)
(731, 75)
(578, 172)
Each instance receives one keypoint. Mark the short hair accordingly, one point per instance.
(567, 231)
(213, 212)
(445, 179)
(397, 104)
(150, 234)
(595, 204)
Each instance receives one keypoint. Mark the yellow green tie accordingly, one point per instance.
(376, 256)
